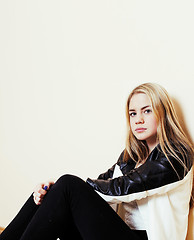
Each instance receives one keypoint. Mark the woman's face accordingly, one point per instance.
(142, 119)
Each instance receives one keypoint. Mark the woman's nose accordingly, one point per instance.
(139, 120)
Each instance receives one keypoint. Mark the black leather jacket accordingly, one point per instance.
(154, 173)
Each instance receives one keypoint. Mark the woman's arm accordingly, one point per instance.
(109, 173)
(154, 173)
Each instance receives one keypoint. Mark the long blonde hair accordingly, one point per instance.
(170, 135)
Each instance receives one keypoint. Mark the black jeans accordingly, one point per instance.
(70, 210)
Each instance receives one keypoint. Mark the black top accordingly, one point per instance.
(156, 172)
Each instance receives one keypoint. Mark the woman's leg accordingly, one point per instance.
(72, 206)
(18, 225)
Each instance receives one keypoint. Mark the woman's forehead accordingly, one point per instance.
(139, 100)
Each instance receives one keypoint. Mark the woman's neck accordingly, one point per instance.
(152, 144)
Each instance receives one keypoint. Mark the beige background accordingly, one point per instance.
(66, 69)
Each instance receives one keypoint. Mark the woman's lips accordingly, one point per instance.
(139, 130)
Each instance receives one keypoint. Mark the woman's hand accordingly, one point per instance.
(40, 191)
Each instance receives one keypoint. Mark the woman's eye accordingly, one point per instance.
(132, 114)
(148, 111)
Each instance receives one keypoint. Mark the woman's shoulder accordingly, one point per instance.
(179, 159)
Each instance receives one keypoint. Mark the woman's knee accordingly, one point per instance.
(69, 180)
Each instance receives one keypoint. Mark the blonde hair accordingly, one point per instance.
(170, 135)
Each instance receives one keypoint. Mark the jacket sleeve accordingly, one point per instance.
(154, 173)
(109, 173)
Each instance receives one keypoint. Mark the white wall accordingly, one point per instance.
(66, 68)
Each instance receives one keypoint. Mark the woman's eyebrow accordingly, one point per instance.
(132, 110)
(145, 107)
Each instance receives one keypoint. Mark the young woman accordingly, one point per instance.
(151, 183)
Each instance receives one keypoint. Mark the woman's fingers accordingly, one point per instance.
(40, 191)
(47, 185)
(37, 200)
